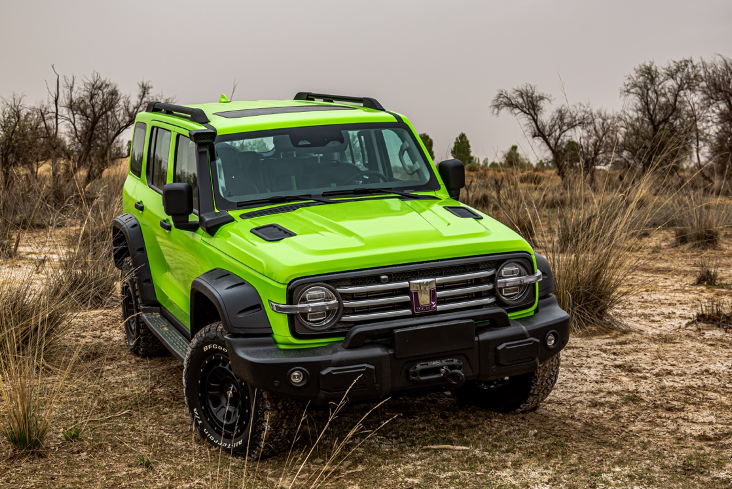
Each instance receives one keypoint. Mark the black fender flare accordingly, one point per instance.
(237, 301)
(546, 286)
(127, 241)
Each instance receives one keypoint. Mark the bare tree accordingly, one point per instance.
(716, 90)
(553, 130)
(53, 139)
(96, 114)
(598, 139)
(659, 125)
(19, 135)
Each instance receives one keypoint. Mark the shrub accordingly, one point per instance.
(31, 322)
(532, 177)
(716, 312)
(589, 243)
(85, 272)
(698, 219)
(25, 425)
(708, 271)
(31, 316)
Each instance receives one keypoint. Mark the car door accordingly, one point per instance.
(182, 248)
(171, 251)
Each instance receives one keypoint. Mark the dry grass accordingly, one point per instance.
(620, 415)
(32, 323)
(586, 228)
(708, 271)
(699, 219)
(643, 408)
(40, 302)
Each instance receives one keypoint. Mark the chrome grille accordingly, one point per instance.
(384, 296)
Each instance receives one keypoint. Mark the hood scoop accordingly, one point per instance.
(272, 232)
(464, 212)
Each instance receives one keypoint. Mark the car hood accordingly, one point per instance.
(360, 234)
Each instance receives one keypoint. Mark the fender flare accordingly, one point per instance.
(546, 286)
(237, 301)
(127, 241)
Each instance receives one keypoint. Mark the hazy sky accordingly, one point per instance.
(438, 62)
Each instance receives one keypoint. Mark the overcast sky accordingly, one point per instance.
(438, 62)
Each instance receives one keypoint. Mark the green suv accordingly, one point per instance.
(308, 249)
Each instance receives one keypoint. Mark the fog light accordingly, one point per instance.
(298, 377)
(551, 340)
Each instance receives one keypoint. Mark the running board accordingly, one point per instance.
(166, 333)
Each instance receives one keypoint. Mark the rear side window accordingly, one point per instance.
(185, 166)
(158, 156)
(138, 147)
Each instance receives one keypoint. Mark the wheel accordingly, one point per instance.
(517, 394)
(226, 411)
(140, 340)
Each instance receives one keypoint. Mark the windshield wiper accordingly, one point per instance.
(372, 190)
(280, 199)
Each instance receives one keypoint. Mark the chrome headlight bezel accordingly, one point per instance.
(326, 305)
(513, 294)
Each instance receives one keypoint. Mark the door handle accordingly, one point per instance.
(165, 225)
(139, 206)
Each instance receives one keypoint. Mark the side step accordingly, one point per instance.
(166, 333)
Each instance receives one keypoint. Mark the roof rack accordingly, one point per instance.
(368, 102)
(195, 115)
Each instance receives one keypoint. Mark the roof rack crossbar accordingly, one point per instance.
(368, 102)
(195, 115)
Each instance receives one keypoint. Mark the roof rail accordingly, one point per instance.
(368, 102)
(195, 115)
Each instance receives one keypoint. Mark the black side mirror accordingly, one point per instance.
(452, 173)
(178, 204)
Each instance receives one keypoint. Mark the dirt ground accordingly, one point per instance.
(647, 407)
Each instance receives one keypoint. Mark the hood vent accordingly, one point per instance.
(464, 212)
(272, 232)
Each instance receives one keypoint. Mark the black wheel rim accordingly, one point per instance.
(129, 313)
(224, 398)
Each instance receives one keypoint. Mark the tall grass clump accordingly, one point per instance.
(699, 219)
(708, 271)
(31, 314)
(591, 247)
(31, 322)
(588, 234)
(85, 271)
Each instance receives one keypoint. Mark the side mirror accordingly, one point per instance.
(178, 204)
(452, 173)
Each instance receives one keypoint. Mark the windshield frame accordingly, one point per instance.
(222, 203)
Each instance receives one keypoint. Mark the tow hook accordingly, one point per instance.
(449, 369)
(456, 377)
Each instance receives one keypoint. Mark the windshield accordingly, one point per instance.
(315, 160)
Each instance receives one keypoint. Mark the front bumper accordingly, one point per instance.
(407, 357)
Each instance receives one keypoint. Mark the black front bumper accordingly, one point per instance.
(409, 359)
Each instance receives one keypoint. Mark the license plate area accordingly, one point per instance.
(433, 339)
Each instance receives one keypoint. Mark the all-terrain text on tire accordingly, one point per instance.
(228, 412)
(303, 250)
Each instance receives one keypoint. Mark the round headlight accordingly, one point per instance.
(319, 320)
(512, 294)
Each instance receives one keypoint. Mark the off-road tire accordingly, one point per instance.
(266, 423)
(140, 340)
(519, 394)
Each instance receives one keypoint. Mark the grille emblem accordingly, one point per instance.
(424, 295)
